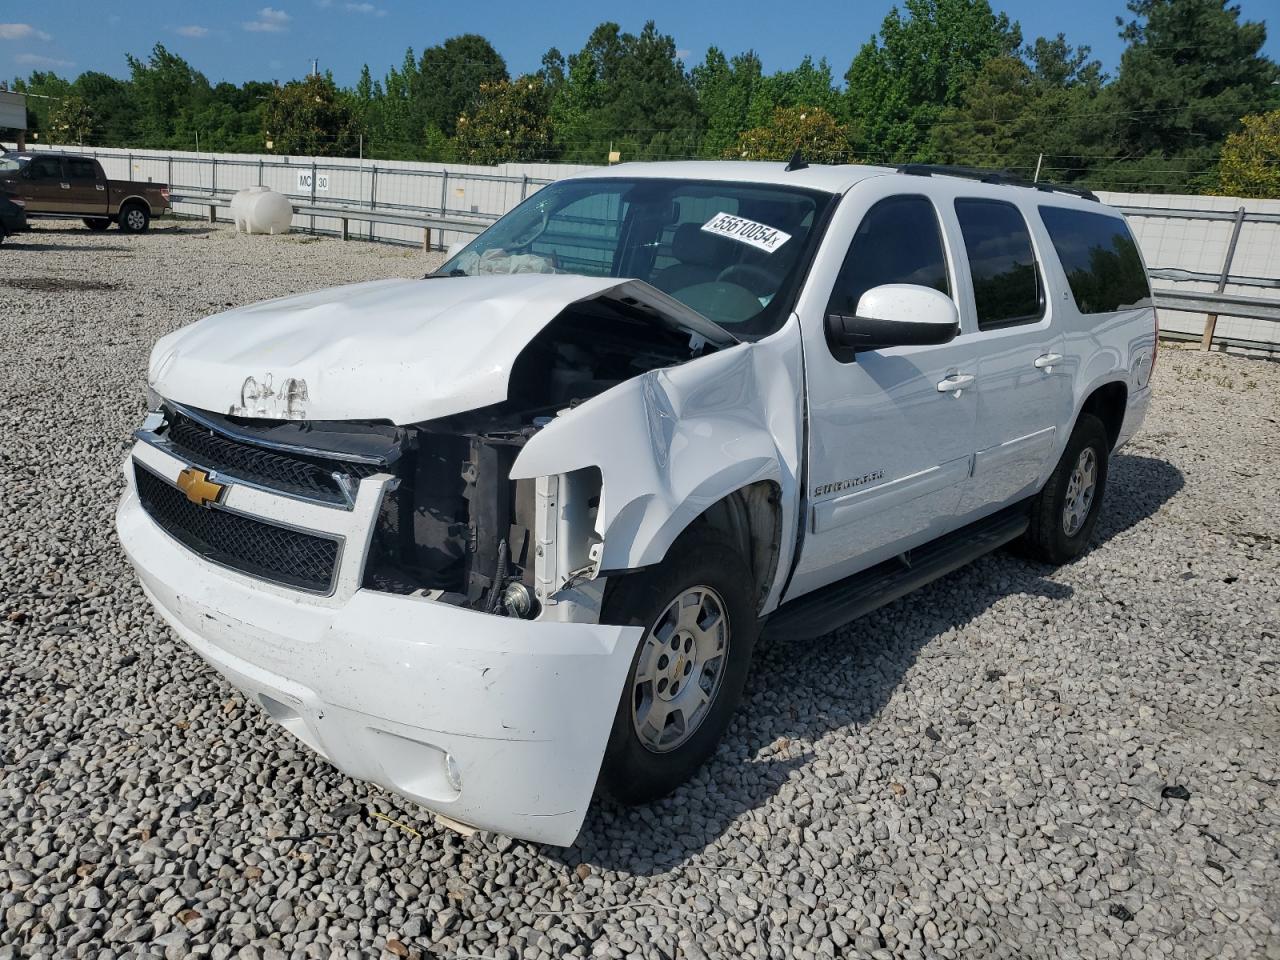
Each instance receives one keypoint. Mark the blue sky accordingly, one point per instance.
(238, 40)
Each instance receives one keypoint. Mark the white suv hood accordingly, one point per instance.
(398, 350)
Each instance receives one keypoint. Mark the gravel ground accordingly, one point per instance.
(1015, 762)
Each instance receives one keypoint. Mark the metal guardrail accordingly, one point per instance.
(1219, 302)
(1215, 304)
(427, 222)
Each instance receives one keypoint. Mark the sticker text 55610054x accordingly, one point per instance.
(759, 235)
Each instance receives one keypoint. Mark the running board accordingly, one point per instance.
(827, 608)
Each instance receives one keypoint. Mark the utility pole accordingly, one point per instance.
(1039, 160)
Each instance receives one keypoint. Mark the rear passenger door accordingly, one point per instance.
(889, 448)
(88, 194)
(1024, 384)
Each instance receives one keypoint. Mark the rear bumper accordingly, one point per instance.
(1135, 412)
(493, 722)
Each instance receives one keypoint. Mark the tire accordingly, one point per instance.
(1064, 512)
(134, 218)
(702, 564)
(97, 223)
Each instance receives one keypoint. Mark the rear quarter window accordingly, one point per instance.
(1099, 257)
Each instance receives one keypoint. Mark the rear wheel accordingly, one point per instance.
(686, 678)
(134, 218)
(1064, 513)
(97, 223)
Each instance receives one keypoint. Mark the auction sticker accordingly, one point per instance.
(759, 235)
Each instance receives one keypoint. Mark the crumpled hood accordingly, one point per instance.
(398, 350)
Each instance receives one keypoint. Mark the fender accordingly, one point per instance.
(672, 442)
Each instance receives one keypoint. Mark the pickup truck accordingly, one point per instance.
(65, 186)
(506, 535)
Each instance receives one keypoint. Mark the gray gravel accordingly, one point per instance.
(1015, 762)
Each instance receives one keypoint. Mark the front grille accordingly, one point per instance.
(254, 547)
(311, 477)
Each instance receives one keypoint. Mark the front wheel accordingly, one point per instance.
(134, 218)
(686, 678)
(1064, 513)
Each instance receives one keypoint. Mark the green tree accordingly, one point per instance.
(810, 84)
(1250, 165)
(819, 137)
(111, 103)
(510, 122)
(921, 63)
(166, 90)
(726, 91)
(1191, 71)
(449, 77)
(70, 120)
(630, 90)
(311, 117)
(1018, 117)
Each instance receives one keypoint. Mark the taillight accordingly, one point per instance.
(164, 192)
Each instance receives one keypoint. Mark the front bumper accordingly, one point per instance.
(493, 722)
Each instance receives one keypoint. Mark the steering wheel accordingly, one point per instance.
(758, 280)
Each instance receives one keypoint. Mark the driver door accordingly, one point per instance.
(44, 187)
(891, 439)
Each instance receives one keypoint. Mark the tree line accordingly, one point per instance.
(1192, 106)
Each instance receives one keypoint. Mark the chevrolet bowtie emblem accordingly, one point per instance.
(199, 489)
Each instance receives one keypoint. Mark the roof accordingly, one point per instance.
(831, 178)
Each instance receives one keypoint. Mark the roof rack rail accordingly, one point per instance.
(1003, 177)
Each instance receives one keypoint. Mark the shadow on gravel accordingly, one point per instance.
(19, 246)
(799, 692)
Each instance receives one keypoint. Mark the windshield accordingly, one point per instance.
(731, 251)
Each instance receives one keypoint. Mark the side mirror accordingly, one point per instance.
(895, 315)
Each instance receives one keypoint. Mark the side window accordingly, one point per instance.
(898, 241)
(80, 169)
(46, 168)
(1002, 262)
(1099, 257)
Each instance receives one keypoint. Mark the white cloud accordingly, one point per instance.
(367, 8)
(21, 31)
(35, 60)
(191, 30)
(270, 20)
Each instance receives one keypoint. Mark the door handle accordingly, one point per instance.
(65, 186)
(955, 383)
(98, 186)
(1048, 361)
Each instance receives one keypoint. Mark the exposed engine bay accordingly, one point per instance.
(454, 526)
(457, 526)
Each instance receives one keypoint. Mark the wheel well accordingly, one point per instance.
(128, 202)
(752, 517)
(1108, 404)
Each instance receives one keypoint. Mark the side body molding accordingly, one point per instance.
(672, 442)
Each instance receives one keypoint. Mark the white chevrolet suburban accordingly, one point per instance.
(506, 534)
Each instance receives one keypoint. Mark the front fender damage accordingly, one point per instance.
(672, 442)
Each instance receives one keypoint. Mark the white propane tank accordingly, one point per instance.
(261, 210)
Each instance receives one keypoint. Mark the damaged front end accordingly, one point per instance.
(403, 596)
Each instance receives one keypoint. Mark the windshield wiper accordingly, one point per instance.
(455, 272)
